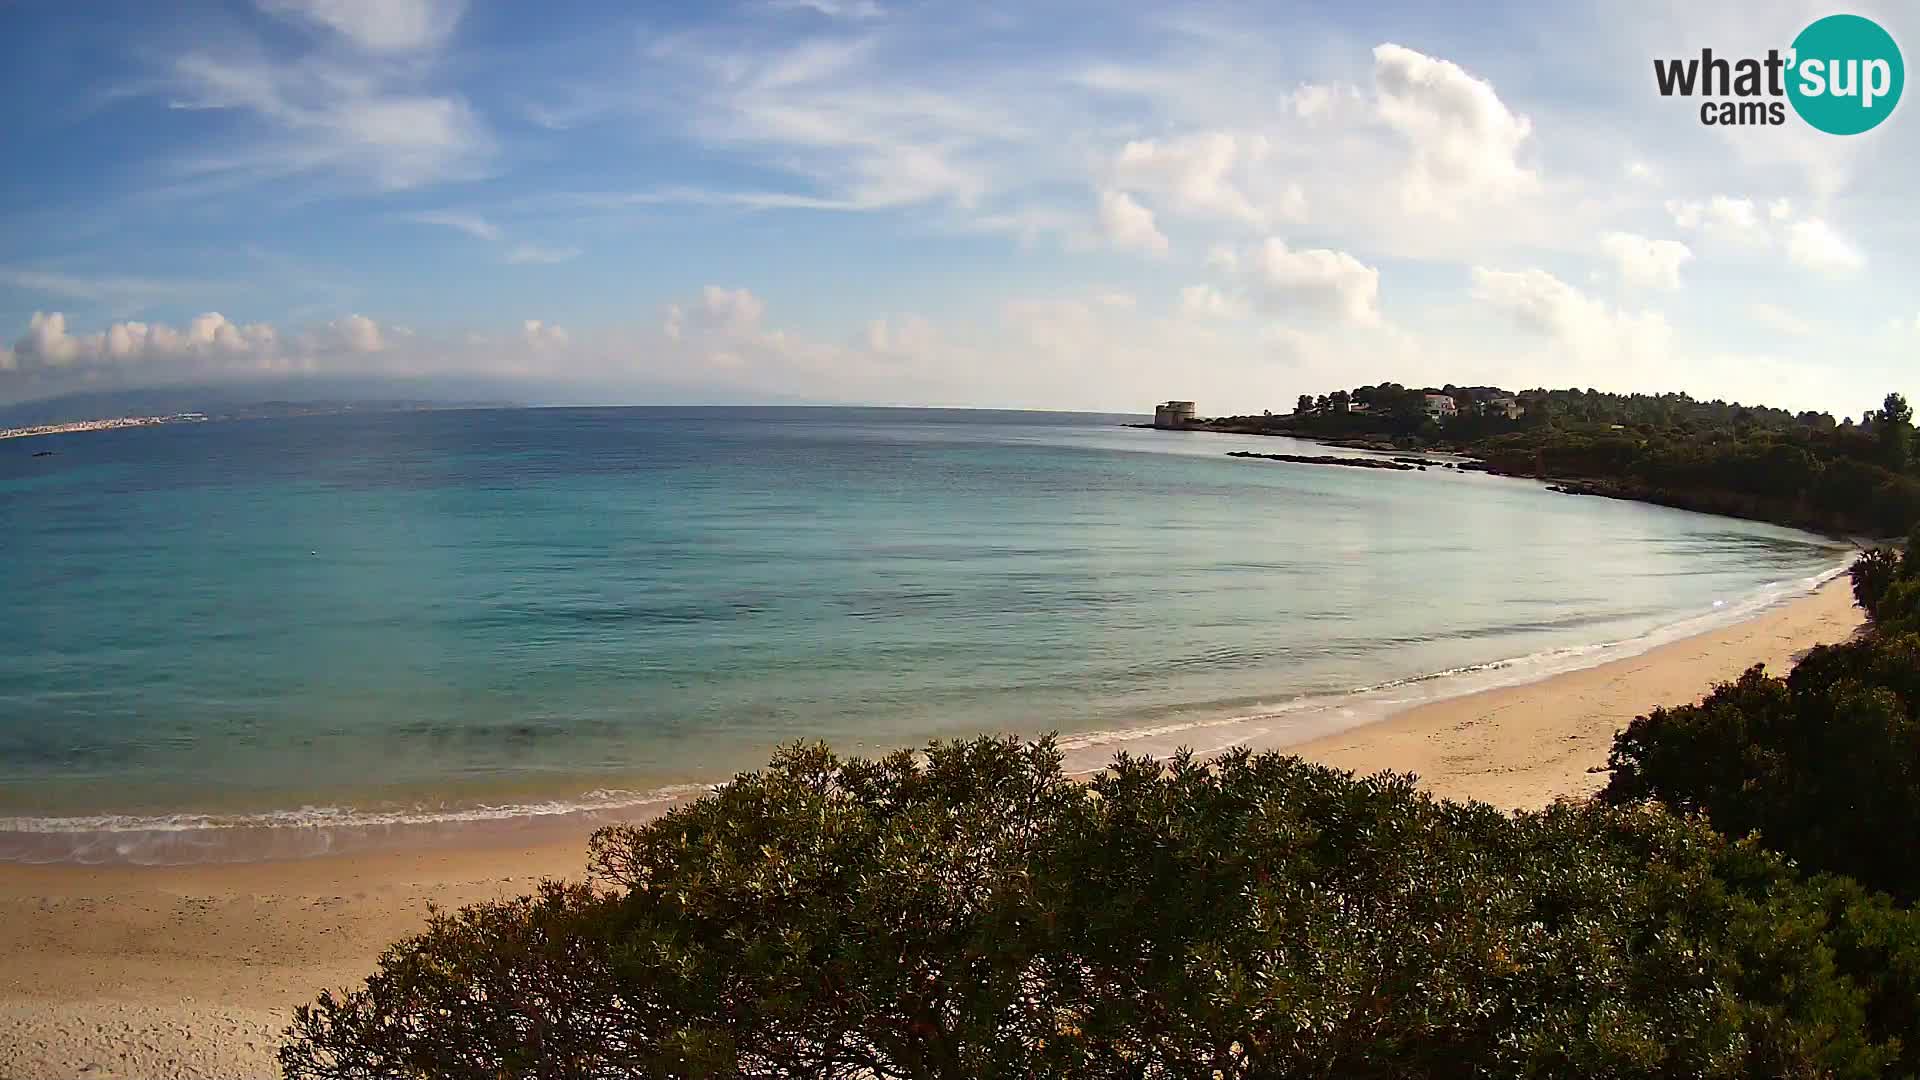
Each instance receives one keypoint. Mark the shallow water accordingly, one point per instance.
(473, 615)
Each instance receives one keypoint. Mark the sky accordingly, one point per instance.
(1020, 205)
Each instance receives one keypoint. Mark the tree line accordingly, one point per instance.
(1806, 469)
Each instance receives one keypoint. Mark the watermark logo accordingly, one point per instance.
(1843, 75)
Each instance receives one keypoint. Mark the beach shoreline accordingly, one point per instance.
(193, 970)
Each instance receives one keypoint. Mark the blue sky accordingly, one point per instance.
(1025, 205)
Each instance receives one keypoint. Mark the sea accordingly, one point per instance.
(272, 638)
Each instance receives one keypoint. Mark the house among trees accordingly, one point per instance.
(1508, 407)
(1441, 406)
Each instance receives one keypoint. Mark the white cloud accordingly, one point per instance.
(832, 9)
(1324, 101)
(1722, 215)
(1642, 262)
(1331, 283)
(47, 342)
(1811, 243)
(377, 25)
(472, 224)
(116, 290)
(1201, 175)
(51, 356)
(1207, 301)
(1817, 246)
(356, 119)
(1641, 171)
(1779, 320)
(732, 311)
(1634, 348)
(1465, 142)
(1128, 226)
(541, 335)
(902, 336)
(528, 253)
(357, 332)
(863, 134)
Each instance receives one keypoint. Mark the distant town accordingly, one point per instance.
(101, 425)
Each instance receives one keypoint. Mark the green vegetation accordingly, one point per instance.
(972, 912)
(1804, 469)
(1824, 764)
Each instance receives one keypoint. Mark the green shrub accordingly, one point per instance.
(1899, 609)
(1873, 573)
(1824, 764)
(971, 912)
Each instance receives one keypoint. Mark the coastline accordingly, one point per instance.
(1525, 746)
(192, 970)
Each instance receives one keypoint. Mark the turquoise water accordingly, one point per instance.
(393, 617)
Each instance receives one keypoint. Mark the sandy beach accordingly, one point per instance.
(191, 971)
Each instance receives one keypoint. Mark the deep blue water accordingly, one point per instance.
(398, 612)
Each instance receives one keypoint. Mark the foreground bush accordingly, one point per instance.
(1823, 764)
(970, 912)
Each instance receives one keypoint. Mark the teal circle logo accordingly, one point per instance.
(1846, 75)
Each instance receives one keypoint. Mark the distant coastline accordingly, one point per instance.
(1806, 470)
(263, 410)
(100, 425)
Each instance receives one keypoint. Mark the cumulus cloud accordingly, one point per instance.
(1329, 283)
(47, 342)
(51, 356)
(1128, 226)
(1642, 262)
(1819, 247)
(356, 332)
(1465, 142)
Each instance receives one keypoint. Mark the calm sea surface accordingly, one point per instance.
(372, 618)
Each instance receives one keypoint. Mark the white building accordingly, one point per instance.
(1441, 406)
(1503, 406)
